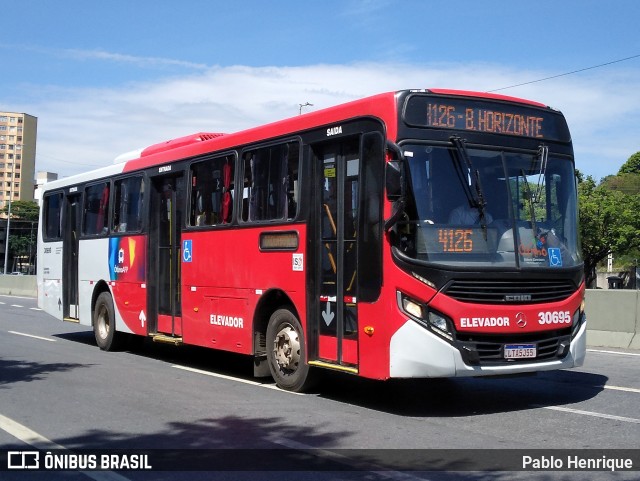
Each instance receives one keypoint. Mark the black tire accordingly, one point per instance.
(104, 323)
(286, 352)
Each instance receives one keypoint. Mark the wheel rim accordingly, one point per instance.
(286, 349)
(103, 323)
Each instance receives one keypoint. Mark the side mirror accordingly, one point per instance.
(393, 180)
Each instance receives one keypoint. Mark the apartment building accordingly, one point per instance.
(42, 178)
(18, 132)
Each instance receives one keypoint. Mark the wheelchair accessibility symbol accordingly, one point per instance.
(555, 257)
(187, 252)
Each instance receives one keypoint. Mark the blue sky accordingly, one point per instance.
(109, 76)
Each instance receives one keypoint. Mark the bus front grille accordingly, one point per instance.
(508, 291)
(489, 350)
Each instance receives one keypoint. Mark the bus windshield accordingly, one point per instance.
(489, 207)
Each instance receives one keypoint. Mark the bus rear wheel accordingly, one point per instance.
(286, 352)
(104, 323)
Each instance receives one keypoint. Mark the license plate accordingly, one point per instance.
(519, 351)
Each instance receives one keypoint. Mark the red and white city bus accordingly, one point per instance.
(418, 233)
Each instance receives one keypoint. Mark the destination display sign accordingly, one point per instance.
(485, 116)
(457, 240)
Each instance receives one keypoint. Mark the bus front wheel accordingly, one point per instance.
(286, 351)
(104, 323)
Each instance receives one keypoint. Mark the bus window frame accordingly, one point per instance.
(112, 205)
(45, 200)
(240, 186)
(212, 156)
(83, 234)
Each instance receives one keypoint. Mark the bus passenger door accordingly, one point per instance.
(164, 303)
(337, 167)
(70, 247)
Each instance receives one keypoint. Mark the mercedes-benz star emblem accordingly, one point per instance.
(521, 320)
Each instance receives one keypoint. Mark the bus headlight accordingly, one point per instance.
(440, 325)
(412, 308)
(436, 322)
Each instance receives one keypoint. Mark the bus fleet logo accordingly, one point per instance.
(127, 259)
(120, 269)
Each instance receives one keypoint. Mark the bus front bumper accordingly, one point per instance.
(417, 353)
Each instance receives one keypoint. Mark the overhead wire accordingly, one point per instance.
(566, 73)
(71, 162)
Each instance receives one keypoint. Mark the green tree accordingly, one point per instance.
(609, 222)
(631, 166)
(22, 230)
(628, 178)
(22, 209)
(628, 183)
(609, 217)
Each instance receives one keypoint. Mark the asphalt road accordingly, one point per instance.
(59, 391)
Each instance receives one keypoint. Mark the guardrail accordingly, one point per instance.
(613, 316)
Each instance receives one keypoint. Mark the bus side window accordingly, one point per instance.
(129, 194)
(271, 183)
(51, 217)
(212, 191)
(96, 209)
(226, 197)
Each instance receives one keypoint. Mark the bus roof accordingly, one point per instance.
(382, 106)
(486, 95)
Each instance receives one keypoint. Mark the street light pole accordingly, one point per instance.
(304, 105)
(6, 243)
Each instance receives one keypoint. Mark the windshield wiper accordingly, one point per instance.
(543, 155)
(535, 198)
(531, 201)
(463, 163)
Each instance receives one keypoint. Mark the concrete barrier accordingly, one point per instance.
(18, 285)
(613, 316)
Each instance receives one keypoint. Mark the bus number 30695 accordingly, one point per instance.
(554, 317)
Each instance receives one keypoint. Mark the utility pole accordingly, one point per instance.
(6, 244)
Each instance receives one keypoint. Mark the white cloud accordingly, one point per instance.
(80, 129)
(102, 55)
